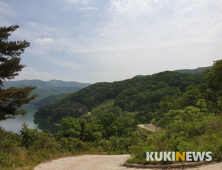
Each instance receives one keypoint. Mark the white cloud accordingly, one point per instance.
(88, 8)
(185, 10)
(76, 1)
(67, 64)
(167, 26)
(6, 11)
(44, 41)
(87, 16)
(30, 73)
(70, 3)
(33, 24)
(132, 8)
(145, 37)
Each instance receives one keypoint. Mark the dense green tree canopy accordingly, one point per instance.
(214, 75)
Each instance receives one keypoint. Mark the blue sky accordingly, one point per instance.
(111, 40)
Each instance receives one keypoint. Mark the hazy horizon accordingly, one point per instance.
(101, 81)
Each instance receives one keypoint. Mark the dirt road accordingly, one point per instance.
(150, 127)
(86, 162)
(101, 162)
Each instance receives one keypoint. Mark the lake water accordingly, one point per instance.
(15, 124)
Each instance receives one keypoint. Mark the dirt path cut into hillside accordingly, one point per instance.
(102, 162)
(150, 127)
(143, 126)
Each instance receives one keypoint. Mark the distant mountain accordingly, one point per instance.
(47, 88)
(193, 71)
(44, 84)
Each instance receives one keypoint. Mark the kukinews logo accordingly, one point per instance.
(177, 156)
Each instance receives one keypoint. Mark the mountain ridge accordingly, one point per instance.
(47, 88)
(45, 84)
(193, 71)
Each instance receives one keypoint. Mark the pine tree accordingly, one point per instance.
(13, 98)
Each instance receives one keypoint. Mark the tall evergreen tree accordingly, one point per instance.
(13, 98)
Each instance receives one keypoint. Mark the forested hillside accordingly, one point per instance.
(43, 93)
(191, 122)
(50, 99)
(136, 94)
